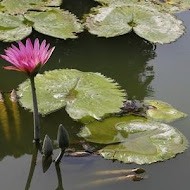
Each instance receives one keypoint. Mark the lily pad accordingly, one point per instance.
(111, 2)
(105, 132)
(85, 95)
(162, 111)
(167, 5)
(12, 28)
(22, 6)
(145, 19)
(55, 22)
(135, 139)
(174, 5)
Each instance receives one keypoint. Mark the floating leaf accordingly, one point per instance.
(106, 132)
(54, 3)
(85, 95)
(111, 2)
(22, 6)
(109, 21)
(174, 5)
(142, 141)
(167, 5)
(55, 22)
(12, 28)
(144, 18)
(162, 111)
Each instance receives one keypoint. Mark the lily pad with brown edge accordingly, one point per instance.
(55, 22)
(85, 95)
(144, 18)
(22, 6)
(135, 139)
(167, 5)
(173, 5)
(162, 111)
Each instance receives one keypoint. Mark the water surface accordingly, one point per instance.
(144, 70)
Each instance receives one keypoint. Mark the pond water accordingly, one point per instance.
(144, 70)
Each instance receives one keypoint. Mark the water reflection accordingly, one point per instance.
(4, 120)
(59, 177)
(46, 163)
(32, 166)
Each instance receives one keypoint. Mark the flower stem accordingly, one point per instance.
(60, 156)
(35, 111)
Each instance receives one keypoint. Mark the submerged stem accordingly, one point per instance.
(35, 111)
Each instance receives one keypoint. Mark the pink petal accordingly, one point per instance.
(36, 46)
(15, 48)
(12, 68)
(5, 57)
(29, 47)
(43, 54)
(28, 56)
(12, 59)
(22, 48)
(49, 54)
(43, 45)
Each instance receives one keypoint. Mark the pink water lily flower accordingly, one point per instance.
(28, 58)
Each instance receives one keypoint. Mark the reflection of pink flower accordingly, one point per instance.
(28, 58)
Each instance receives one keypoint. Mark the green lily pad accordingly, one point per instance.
(22, 6)
(135, 139)
(12, 28)
(162, 111)
(85, 95)
(167, 5)
(145, 19)
(114, 2)
(55, 22)
(97, 132)
(174, 5)
(54, 3)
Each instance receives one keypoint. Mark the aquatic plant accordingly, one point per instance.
(145, 18)
(29, 59)
(20, 17)
(153, 20)
(85, 95)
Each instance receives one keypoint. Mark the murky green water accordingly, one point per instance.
(145, 71)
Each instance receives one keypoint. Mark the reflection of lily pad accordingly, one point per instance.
(12, 28)
(145, 19)
(142, 141)
(84, 94)
(161, 111)
(55, 22)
